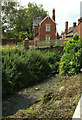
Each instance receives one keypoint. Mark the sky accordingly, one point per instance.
(65, 10)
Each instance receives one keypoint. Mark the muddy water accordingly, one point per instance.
(23, 98)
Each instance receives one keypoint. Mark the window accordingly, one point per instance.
(48, 27)
(47, 38)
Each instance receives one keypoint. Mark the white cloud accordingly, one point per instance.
(65, 10)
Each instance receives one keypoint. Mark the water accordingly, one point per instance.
(23, 98)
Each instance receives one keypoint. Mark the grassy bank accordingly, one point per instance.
(59, 101)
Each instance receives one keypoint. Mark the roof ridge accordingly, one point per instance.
(46, 18)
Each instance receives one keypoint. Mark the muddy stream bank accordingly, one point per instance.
(25, 97)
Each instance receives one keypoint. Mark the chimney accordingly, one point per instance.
(74, 24)
(53, 14)
(66, 27)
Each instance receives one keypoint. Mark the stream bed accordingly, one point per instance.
(26, 96)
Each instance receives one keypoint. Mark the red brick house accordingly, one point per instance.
(45, 28)
(72, 30)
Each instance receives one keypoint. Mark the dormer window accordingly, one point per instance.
(48, 26)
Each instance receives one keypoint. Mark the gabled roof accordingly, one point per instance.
(36, 21)
(45, 19)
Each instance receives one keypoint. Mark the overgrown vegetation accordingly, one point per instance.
(57, 102)
(71, 60)
(22, 68)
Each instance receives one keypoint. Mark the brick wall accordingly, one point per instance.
(42, 29)
(31, 42)
(10, 42)
(14, 42)
(80, 27)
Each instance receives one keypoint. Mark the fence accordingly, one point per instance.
(36, 43)
(48, 43)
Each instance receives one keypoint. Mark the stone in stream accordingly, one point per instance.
(36, 88)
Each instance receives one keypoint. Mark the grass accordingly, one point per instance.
(58, 101)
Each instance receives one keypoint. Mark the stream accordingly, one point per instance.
(26, 96)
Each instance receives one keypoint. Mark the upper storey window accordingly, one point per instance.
(48, 26)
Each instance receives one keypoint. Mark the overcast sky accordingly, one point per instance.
(65, 10)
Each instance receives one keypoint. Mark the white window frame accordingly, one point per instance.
(47, 38)
(48, 27)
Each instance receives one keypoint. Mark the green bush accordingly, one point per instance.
(71, 60)
(53, 60)
(22, 68)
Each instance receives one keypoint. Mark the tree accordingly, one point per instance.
(16, 18)
(25, 18)
(9, 14)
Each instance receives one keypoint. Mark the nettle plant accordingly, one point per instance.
(70, 63)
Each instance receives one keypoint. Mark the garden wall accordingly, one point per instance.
(11, 41)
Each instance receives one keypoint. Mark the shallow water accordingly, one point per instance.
(23, 98)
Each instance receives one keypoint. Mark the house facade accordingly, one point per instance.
(69, 32)
(45, 28)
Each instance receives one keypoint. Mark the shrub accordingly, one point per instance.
(22, 68)
(53, 60)
(71, 60)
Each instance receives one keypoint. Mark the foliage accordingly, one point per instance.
(71, 60)
(17, 18)
(53, 60)
(21, 35)
(9, 15)
(22, 67)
